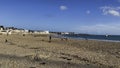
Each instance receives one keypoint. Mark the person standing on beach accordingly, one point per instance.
(50, 38)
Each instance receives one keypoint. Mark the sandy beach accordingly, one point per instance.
(32, 51)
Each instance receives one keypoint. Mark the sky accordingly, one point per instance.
(80, 16)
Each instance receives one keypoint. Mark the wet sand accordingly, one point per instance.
(36, 52)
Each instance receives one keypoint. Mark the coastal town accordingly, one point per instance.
(13, 30)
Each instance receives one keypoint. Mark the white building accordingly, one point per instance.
(1, 28)
(65, 33)
(41, 32)
(19, 31)
(3, 32)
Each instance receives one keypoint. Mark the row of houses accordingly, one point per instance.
(13, 30)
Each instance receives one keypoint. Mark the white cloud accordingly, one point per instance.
(88, 12)
(115, 11)
(63, 7)
(100, 29)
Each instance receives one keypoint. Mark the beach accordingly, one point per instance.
(35, 51)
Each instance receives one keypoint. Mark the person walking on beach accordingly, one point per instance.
(50, 38)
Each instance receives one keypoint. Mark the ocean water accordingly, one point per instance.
(95, 37)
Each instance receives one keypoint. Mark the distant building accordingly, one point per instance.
(26, 32)
(64, 32)
(60, 33)
(71, 33)
(3, 32)
(31, 31)
(1, 28)
(10, 28)
(41, 32)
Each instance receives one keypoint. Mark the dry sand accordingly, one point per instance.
(36, 52)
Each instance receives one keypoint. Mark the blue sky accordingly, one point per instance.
(82, 16)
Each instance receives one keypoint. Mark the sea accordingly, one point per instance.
(111, 38)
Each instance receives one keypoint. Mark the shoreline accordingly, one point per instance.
(93, 39)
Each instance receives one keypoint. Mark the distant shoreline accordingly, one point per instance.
(105, 40)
